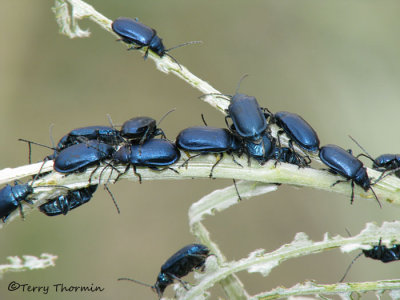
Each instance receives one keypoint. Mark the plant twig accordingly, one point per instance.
(261, 262)
(217, 201)
(200, 167)
(341, 289)
(28, 262)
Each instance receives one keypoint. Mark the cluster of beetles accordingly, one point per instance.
(141, 143)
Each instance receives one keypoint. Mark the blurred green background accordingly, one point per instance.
(336, 63)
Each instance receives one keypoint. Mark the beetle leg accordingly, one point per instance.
(133, 47)
(146, 54)
(120, 174)
(172, 169)
(234, 160)
(352, 192)
(216, 163)
(184, 283)
(91, 174)
(237, 190)
(112, 197)
(137, 174)
(339, 181)
(21, 212)
(186, 162)
(226, 121)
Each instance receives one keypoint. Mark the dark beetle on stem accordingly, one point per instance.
(78, 157)
(103, 134)
(342, 162)
(297, 129)
(248, 118)
(205, 140)
(133, 32)
(180, 264)
(11, 198)
(378, 252)
(64, 203)
(154, 153)
(139, 35)
(387, 162)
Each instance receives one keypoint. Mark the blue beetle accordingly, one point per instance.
(180, 264)
(140, 129)
(63, 204)
(205, 140)
(287, 155)
(262, 151)
(342, 162)
(139, 35)
(268, 149)
(152, 153)
(105, 134)
(387, 162)
(249, 121)
(11, 198)
(297, 129)
(378, 252)
(383, 253)
(78, 157)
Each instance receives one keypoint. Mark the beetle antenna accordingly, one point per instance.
(174, 59)
(184, 44)
(362, 148)
(34, 143)
(112, 197)
(204, 120)
(348, 268)
(180, 45)
(38, 173)
(29, 152)
(240, 82)
(376, 197)
(137, 281)
(237, 190)
(165, 115)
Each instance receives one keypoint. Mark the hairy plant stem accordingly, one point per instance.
(199, 167)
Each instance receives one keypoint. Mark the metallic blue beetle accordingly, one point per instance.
(152, 153)
(78, 157)
(205, 140)
(384, 254)
(140, 129)
(248, 119)
(11, 198)
(344, 163)
(63, 204)
(262, 151)
(387, 162)
(287, 155)
(378, 252)
(139, 35)
(103, 134)
(180, 264)
(268, 149)
(298, 130)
